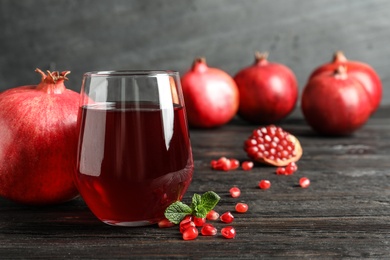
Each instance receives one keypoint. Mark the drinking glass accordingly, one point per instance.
(134, 154)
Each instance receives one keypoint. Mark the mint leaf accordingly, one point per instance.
(201, 205)
(177, 211)
(200, 212)
(209, 200)
(196, 200)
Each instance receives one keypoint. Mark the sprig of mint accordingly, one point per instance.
(200, 206)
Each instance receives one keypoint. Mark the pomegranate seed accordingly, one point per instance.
(212, 215)
(293, 166)
(264, 184)
(184, 224)
(304, 182)
(235, 192)
(250, 142)
(228, 232)
(188, 217)
(281, 171)
(208, 230)
(247, 165)
(199, 221)
(226, 165)
(227, 217)
(164, 223)
(190, 233)
(252, 151)
(241, 207)
(234, 164)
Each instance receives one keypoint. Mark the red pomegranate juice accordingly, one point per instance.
(133, 161)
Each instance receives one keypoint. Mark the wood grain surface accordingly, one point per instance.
(344, 214)
(90, 35)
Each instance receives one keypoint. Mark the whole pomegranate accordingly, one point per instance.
(210, 94)
(38, 141)
(335, 103)
(268, 91)
(358, 70)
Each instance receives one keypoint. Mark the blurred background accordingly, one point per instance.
(86, 35)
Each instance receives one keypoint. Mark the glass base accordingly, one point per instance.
(128, 224)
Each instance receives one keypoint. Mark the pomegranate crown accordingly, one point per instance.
(199, 64)
(261, 58)
(54, 76)
(52, 82)
(339, 56)
(261, 55)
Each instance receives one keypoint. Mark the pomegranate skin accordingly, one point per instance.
(334, 103)
(210, 94)
(268, 91)
(358, 70)
(38, 141)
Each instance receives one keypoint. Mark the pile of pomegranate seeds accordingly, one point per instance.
(186, 223)
(188, 226)
(288, 170)
(225, 164)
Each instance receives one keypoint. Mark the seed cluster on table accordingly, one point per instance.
(189, 225)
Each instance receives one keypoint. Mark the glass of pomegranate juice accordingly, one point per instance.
(134, 154)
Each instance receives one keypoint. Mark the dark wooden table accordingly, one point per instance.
(345, 213)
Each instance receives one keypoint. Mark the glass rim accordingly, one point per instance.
(130, 73)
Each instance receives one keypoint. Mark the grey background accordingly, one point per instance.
(87, 35)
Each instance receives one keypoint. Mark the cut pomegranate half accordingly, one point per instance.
(272, 145)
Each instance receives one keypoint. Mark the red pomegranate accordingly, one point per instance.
(335, 103)
(210, 94)
(268, 91)
(38, 141)
(358, 70)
